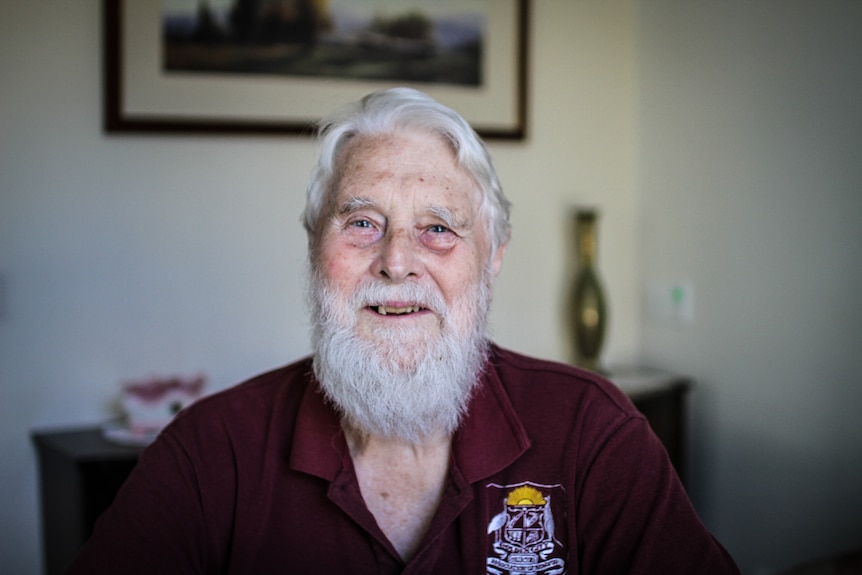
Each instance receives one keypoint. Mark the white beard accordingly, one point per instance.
(403, 383)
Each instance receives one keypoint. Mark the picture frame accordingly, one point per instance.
(139, 97)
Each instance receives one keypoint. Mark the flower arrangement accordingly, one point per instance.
(150, 404)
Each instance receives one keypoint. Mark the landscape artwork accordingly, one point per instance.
(410, 41)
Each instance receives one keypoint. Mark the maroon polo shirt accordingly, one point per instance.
(553, 471)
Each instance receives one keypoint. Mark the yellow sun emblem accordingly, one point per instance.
(525, 495)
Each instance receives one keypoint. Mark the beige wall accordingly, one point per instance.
(750, 154)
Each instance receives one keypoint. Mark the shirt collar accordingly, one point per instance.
(319, 447)
(491, 436)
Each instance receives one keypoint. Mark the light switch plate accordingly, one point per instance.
(670, 301)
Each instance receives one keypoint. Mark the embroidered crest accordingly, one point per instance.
(522, 535)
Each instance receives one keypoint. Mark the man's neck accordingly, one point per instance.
(361, 443)
(402, 484)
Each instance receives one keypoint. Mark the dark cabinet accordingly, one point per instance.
(661, 397)
(79, 474)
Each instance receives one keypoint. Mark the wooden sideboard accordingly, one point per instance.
(80, 471)
(79, 474)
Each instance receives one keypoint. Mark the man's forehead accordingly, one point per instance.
(410, 169)
(409, 151)
(421, 191)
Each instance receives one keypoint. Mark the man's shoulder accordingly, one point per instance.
(279, 388)
(299, 372)
(549, 380)
(504, 357)
(515, 366)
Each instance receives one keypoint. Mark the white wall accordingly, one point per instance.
(750, 155)
(124, 256)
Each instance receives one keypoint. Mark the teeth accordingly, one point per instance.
(383, 309)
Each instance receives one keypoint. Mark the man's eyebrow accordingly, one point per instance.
(354, 204)
(448, 217)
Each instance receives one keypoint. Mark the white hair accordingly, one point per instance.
(391, 111)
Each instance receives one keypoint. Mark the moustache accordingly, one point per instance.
(400, 298)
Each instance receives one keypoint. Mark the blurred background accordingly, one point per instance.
(721, 142)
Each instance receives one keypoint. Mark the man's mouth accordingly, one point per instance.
(389, 310)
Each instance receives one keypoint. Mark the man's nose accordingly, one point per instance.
(398, 259)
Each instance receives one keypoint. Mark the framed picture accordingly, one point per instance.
(278, 66)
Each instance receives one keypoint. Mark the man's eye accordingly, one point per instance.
(361, 224)
(438, 229)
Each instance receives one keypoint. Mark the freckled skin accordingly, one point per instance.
(403, 210)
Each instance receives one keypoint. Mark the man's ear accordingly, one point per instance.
(497, 260)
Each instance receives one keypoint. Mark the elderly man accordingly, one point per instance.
(407, 443)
